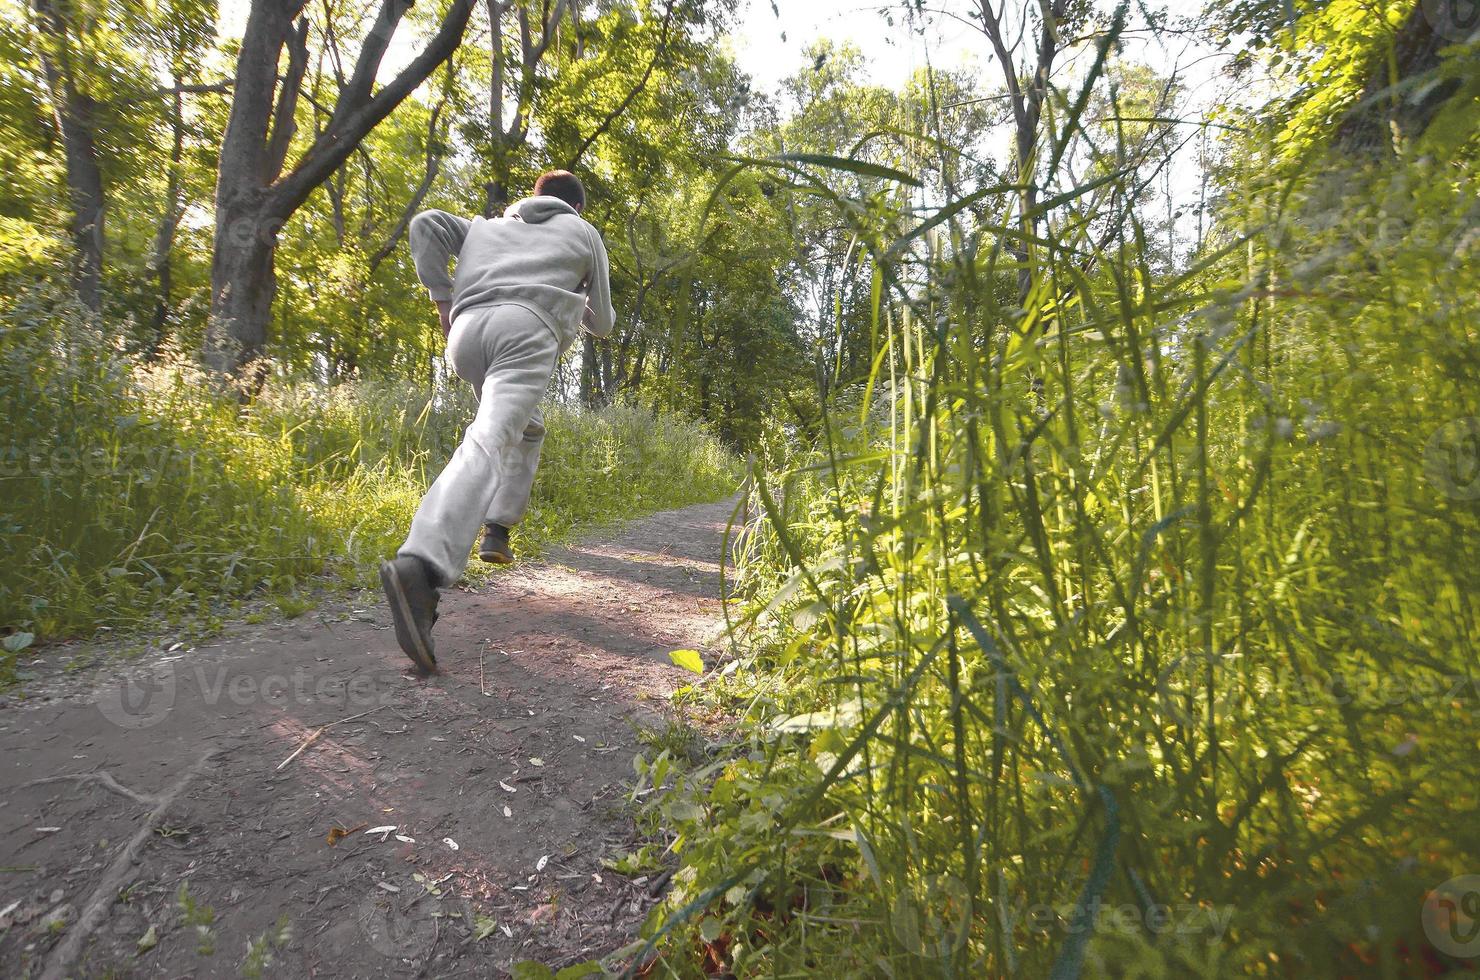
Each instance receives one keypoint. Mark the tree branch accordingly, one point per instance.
(433, 167)
(351, 124)
(372, 50)
(285, 115)
(201, 88)
(632, 95)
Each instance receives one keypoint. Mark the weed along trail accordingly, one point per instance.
(289, 799)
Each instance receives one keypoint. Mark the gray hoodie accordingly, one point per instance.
(541, 255)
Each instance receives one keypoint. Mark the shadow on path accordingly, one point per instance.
(502, 776)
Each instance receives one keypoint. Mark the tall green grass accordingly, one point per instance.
(135, 491)
(1128, 630)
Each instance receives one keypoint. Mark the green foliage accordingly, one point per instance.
(198, 917)
(134, 491)
(259, 956)
(1126, 628)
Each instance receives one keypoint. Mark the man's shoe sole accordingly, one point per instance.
(496, 557)
(413, 644)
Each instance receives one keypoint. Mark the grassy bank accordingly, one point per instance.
(1132, 628)
(136, 491)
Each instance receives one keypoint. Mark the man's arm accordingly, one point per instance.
(436, 238)
(600, 318)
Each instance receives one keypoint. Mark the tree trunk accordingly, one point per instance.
(608, 382)
(243, 285)
(169, 223)
(1027, 112)
(633, 383)
(73, 111)
(508, 140)
(1386, 112)
(253, 196)
(496, 190)
(590, 380)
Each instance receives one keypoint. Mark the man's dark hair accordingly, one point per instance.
(562, 184)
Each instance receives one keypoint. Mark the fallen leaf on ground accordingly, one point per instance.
(338, 833)
(540, 864)
(387, 886)
(536, 762)
(506, 787)
(148, 941)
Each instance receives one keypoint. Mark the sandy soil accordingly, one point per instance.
(503, 777)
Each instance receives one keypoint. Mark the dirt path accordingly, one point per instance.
(516, 754)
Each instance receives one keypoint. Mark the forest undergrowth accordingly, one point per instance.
(1124, 618)
(137, 493)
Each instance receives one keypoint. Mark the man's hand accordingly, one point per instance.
(444, 313)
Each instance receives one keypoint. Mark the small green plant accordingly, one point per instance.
(260, 951)
(293, 606)
(645, 860)
(198, 917)
(677, 738)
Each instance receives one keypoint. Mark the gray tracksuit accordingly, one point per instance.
(523, 287)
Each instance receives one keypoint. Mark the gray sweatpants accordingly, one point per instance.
(508, 355)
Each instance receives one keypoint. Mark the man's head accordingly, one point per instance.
(564, 185)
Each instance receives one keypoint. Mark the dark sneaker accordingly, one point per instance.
(495, 547)
(413, 600)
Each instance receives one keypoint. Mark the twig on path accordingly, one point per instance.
(660, 883)
(310, 740)
(482, 688)
(102, 779)
(105, 893)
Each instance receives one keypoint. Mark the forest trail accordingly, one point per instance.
(517, 754)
